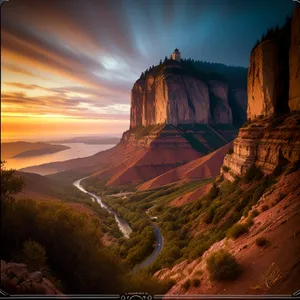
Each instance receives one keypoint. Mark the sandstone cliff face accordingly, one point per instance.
(263, 144)
(294, 62)
(263, 75)
(170, 98)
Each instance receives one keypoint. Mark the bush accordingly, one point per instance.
(225, 168)
(186, 285)
(222, 265)
(261, 242)
(254, 213)
(230, 151)
(293, 168)
(196, 282)
(253, 174)
(237, 230)
(34, 255)
(265, 207)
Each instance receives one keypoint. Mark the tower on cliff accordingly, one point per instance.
(176, 55)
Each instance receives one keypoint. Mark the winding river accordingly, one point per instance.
(123, 225)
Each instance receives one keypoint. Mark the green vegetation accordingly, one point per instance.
(237, 230)
(265, 207)
(68, 241)
(222, 265)
(196, 282)
(225, 168)
(230, 151)
(261, 241)
(254, 213)
(253, 174)
(186, 285)
(293, 168)
(34, 255)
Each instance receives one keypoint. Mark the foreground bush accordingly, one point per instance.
(34, 255)
(237, 230)
(222, 265)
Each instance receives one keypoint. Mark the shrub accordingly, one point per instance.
(253, 174)
(186, 285)
(237, 230)
(222, 265)
(196, 282)
(225, 168)
(294, 167)
(34, 255)
(265, 207)
(261, 241)
(249, 222)
(230, 151)
(254, 213)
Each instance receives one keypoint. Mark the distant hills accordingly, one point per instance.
(91, 140)
(26, 149)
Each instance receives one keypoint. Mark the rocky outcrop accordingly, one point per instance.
(175, 98)
(15, 279)
(265, 144)
(294, 61)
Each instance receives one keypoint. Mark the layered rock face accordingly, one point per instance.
(294, 62)
(171, 98)
(273, 136)
(264, 144)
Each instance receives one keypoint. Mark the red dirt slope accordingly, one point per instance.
(206, 166)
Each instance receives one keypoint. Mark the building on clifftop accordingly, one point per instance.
(176, 55)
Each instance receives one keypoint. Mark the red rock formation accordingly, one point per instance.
(294, 95)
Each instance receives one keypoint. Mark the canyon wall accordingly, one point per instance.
(179, 98)
(272, 136)
(294, 62)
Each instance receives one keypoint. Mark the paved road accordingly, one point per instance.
(158, 247)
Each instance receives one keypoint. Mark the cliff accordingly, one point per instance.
(294, 62)
(183, 93)
(271, 138)
(268, 75)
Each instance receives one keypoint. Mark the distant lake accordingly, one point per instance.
(76, 150)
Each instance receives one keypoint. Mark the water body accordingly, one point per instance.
(77, 150)
(123, 225)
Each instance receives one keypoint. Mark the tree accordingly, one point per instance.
(166, 59)
(160, 62)
(11, 184)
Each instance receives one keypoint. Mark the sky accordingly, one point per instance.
(67, 66)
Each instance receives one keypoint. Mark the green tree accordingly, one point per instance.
(11, 184)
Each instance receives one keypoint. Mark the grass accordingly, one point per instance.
(222, 265)
(268, 278)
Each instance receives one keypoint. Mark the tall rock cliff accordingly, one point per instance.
(272, 136)
(173, 93)
(294, 62)
(268, 75)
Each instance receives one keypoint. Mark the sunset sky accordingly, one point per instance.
(68, 66)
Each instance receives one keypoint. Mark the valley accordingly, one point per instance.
(200, 196)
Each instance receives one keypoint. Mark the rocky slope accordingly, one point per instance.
(270, 144)
(16, 279)
(272, 269)
(203, 167)
(170, 94)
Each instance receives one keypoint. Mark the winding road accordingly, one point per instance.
(124, 226)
